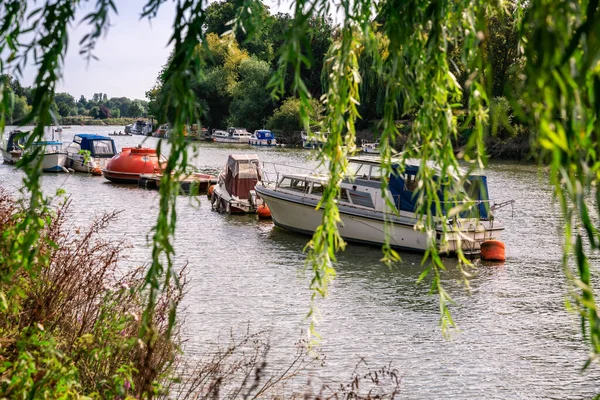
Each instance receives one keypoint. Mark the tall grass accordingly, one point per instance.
(69, 328)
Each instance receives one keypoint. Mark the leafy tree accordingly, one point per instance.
(65, 103)
(103, 112)
(287, 117)
(251, 104)
(20, 109)
(115, 113)
(219, 16)
(136, 109)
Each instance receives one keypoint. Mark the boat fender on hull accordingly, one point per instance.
(264, 212)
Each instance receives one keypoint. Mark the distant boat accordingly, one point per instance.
(54, 157)
(232, 136)
(313, 141)
(140, 127)
(12, 147)
(263, 137)
(101, 149)
(370, 147)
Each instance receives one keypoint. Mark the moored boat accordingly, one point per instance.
(363, 210)
(12, 146)
(370, 147)
(234, 193)
(263, 137)
(162, 131)
(127, 166)
(313, 141)
(54, 157)
(232, 136)
(90, 153)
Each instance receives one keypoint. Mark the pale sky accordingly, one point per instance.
(130, 56)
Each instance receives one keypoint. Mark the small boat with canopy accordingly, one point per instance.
(90, 153)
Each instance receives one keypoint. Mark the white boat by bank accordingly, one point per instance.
(54, 157)
(232, 136)
(293, 198)
(263, 137)
(12, 146)
(313, 141)
(90, 153)
(370, 147)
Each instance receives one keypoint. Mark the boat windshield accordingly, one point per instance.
(103, 147)
(358, 170)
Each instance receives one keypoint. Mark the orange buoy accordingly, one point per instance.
(493, 250)
(96, 171)
(210, 191)
(263, 211)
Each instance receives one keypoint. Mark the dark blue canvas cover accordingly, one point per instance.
(406, 200)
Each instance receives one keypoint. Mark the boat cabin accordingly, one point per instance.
(238, 132)
(264, 134)
(242, 173)
(16, 141)
(98, 146)
(362, 187)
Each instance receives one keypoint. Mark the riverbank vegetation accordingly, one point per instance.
(99, 110)
(70, 324)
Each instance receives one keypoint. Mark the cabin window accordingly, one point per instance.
(297, 185)
(376, 173)
(411, 183)
(317, 189)
(102, 147)
(358, 170)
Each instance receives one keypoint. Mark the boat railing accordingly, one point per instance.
(271, 171)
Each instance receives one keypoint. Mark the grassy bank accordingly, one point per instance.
(97, 122)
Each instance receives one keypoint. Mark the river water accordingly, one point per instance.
(516, 339)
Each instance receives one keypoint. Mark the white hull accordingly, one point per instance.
(54, 162)
(78, 163)
(230, 140)
(11, 157)
(369, 228)
(370, 150)
(262, 143)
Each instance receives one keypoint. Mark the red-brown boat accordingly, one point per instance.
(132, 162)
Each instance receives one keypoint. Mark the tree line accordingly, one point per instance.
(100, 106)
(239, 66)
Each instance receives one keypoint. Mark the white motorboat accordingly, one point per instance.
(12, 146)
(140, 127)
(370, 147)
(54, 157)
(90, 153)
(232, 135)
(313, 141)
(293, 199)
(234, 193)
(263, 137)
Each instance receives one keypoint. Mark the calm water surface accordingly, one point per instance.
(516, 340)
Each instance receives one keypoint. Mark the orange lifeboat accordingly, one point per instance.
(493, 250)
(127, 166)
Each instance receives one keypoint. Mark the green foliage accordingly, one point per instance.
(250, 100)
(287, 117)
(65, 103)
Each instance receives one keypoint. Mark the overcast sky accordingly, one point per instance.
(130, 57)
